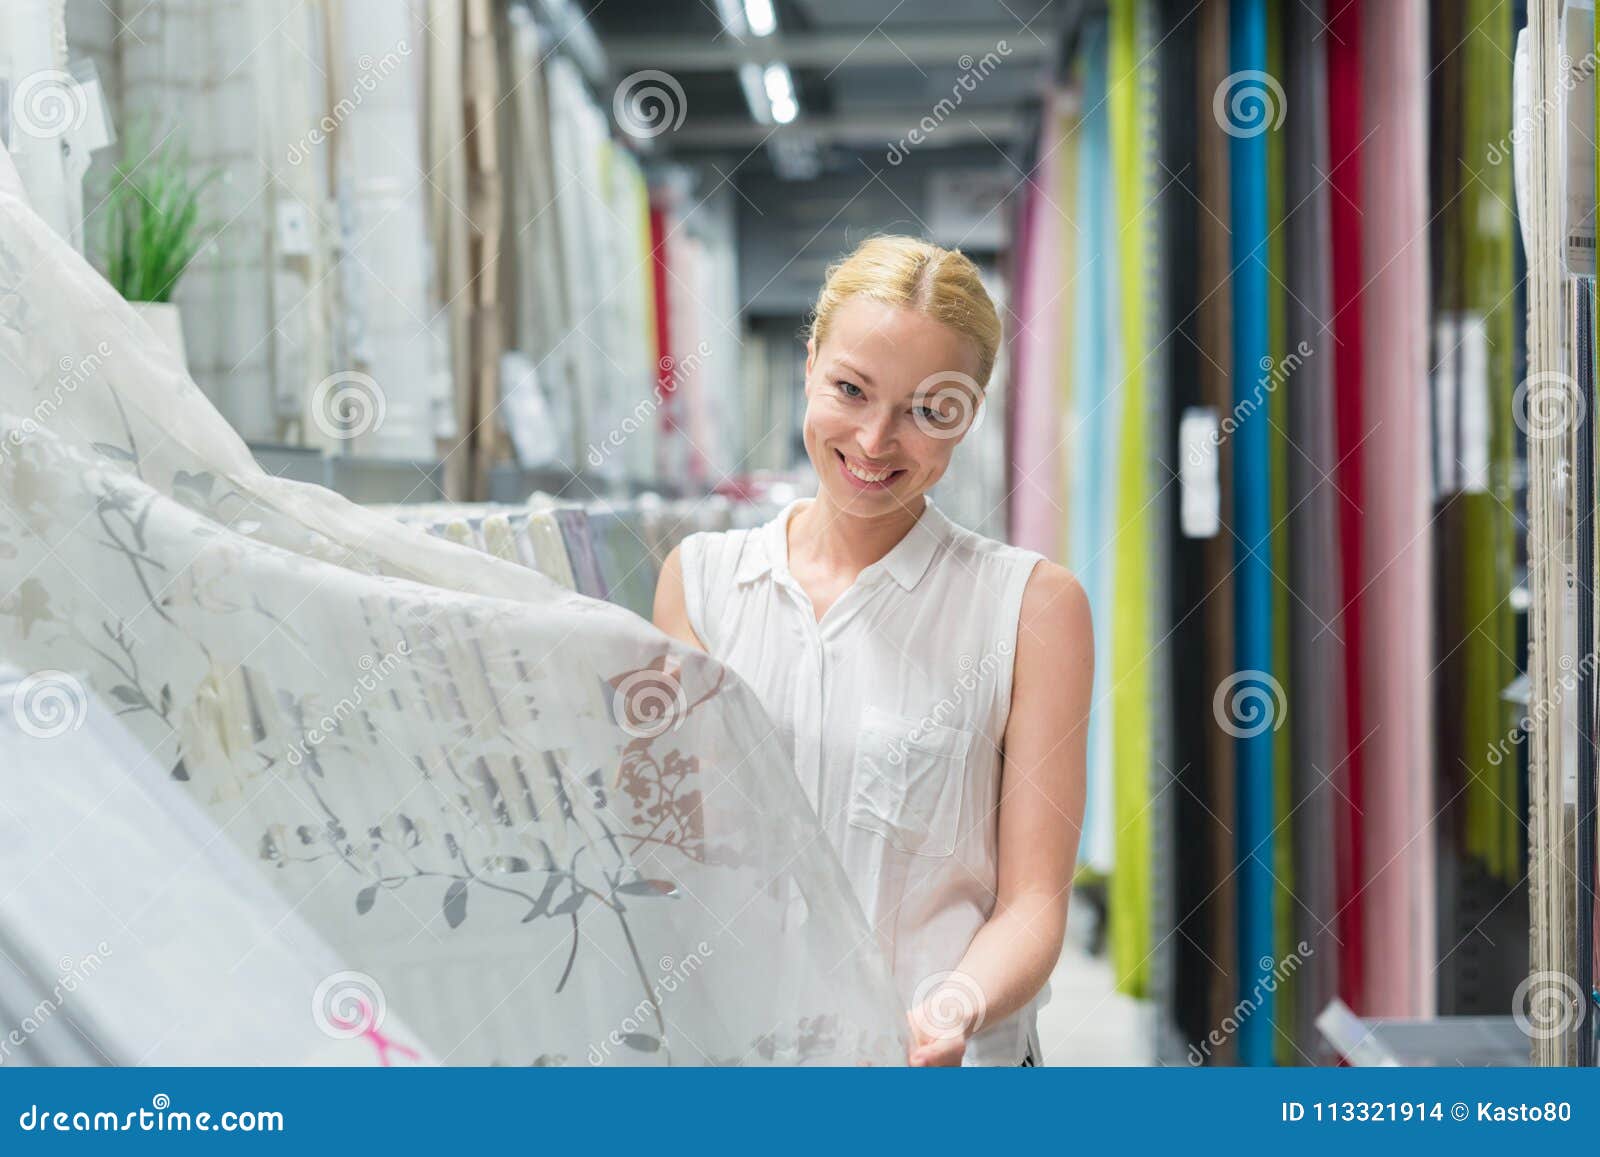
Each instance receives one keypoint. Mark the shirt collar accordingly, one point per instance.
(767, 548)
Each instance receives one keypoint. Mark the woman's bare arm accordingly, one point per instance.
(1041, 815)
(670, 613)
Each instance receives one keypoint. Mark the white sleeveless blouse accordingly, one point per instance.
(895, 706)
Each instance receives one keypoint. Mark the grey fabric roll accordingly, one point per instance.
(1316, 641)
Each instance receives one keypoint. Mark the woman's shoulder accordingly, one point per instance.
(1055, 609)
(715, 552)
(975, 548)
(1040, 590)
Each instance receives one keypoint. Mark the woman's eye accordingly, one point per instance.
(929, 413)
(851, 390)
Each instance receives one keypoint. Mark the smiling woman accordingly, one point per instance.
(933, 684)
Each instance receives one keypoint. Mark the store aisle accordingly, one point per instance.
(1088, 1022)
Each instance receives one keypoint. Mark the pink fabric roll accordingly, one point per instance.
(1398, 851)
(1038, 495)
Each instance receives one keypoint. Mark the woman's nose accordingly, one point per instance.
(876, 437)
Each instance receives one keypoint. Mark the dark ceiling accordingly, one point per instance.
(866, 72)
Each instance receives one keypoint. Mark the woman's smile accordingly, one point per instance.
(865, 477)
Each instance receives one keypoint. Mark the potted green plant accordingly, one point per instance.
(153, 231)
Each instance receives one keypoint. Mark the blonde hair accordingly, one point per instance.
(914, 274)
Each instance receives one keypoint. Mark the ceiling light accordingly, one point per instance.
(778, 83)
(733, 18)
(754, 94)
(759, 15)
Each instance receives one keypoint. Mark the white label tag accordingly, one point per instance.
(1199, 442)
(1447, 341)
(1473, 447)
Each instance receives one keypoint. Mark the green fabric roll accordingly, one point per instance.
(1132, 639)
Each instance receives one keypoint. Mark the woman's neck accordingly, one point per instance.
(824, 535)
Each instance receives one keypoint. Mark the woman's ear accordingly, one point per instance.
(811, 355)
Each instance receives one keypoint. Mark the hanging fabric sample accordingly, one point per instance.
(1253, 673)
(1219, 912)
(1269, 381)
(1346, 74)
(384, 352)
(1543, 178)
(1093, 419)
(544, 831)
(1474, 378)
(1398, 811)
(1190, 459)
(1315, 688)
(1132, 636)
(579, 541)
(1035, 486)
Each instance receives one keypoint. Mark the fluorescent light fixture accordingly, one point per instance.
(777, 82)
(779, 87)
(759, 15)
(769, 92)
(755, 96)
(732, 13)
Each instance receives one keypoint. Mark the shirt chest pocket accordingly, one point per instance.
(910, 778)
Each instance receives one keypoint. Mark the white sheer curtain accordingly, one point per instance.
(547, 834)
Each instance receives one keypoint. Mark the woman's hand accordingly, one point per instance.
(935, 1039)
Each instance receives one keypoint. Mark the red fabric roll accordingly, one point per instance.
(1344, 178)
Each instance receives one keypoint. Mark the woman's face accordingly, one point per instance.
(888, 396)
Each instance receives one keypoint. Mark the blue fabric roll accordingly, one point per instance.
(1252, 523)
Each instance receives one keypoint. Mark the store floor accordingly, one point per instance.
(1088, 1022)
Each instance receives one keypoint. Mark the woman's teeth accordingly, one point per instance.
(879, 476)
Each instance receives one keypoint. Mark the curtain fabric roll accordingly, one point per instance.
(1215, 325)
(1036, 515)
(1346, 130)
(1253, 548)
(1398, 812)
(1316, 660)
(1095, 416)
(1133, 636)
